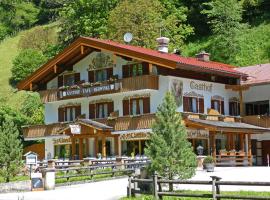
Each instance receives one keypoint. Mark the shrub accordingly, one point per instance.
(208, 160)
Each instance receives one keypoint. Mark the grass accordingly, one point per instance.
(16, 178)
(8, 51)
(244, 193)
(84, 177)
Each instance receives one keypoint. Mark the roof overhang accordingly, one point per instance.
(83, 46)
(232, 127)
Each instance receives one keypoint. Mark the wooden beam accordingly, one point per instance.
(81, 148)
(103, 146)
(55, 69)
(150, 68)
(82, 49)
(249, 149)
(73, 147)
(241, 103)
(237, 87)
(31, 86)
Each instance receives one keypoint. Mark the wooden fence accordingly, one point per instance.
(81, 168)
(157, 191)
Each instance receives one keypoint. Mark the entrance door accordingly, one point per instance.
(265, 151)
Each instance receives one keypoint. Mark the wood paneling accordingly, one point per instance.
(263, 121)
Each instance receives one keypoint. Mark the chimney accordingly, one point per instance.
(203, 56)
(163, 43)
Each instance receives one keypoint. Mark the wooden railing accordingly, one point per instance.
(121, 85)
(119, 123)
(142, 186)
(257, 120)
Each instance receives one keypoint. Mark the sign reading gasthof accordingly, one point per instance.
(201, 86)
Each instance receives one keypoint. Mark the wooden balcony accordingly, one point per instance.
(257, 120)
(119, 124)
(121, 85)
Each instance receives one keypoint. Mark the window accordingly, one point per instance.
(100, 75)
(257, 108)
(68, 79)
(193, 104)
(234, 108)
(136, 69)
(67, 114)
(100, 110)
(218, 105)
(136, 106)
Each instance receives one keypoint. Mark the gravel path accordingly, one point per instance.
(114, 189)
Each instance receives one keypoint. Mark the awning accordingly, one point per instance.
(227, 126)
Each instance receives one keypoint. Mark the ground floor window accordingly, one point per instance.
(135, 148)
(62, 151)
(257, 108)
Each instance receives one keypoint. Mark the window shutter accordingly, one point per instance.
(77, 111)
(125, 107)
(110, 108)
(231, 108)
(222, 107)
(91, 111)
(146, 105)
(97, 110)
(145, 68)
(61, 114)
(60, 81)
(212, 104)
(125, 71)
(201, 105)
(109, 73)
(238, 108)
(185, 104)
(91, 76)
(77, 78)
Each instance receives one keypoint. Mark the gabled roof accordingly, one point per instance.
(85, 45)
(257, 74)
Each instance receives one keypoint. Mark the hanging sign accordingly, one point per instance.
(75, 128)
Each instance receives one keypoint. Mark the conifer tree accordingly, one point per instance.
(10, 150)
(170, 152)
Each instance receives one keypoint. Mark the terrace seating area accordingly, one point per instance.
(233, 158)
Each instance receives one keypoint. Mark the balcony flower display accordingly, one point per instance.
(87, 84)
(64, 87)
(74, 87)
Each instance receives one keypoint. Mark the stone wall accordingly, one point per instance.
(15, 186)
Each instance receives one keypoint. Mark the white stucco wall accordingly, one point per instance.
(257, 93)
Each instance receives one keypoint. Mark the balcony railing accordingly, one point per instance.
(119, 124)
(257, 120)
(121, 85)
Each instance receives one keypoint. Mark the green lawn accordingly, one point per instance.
(244, 193)
(8, 51)
(16, 178)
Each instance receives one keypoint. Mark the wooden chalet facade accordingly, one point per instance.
(101, 97)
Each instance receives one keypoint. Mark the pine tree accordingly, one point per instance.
(10, 150)
(170, 152)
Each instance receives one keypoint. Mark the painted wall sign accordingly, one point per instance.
(90, 90)
(201, 86)
(177, 91)
(197, 133)
(60, 141)
(135, 136)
